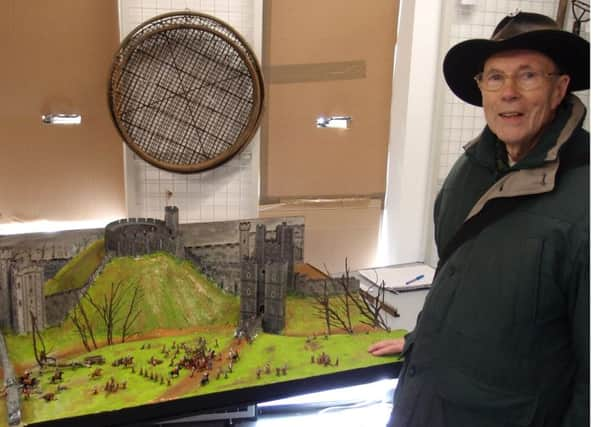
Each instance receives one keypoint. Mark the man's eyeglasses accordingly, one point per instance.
(525, 79)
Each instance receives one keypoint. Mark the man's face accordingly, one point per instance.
(515, 115)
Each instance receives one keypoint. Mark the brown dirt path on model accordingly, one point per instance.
(190, 384)
(78, 350)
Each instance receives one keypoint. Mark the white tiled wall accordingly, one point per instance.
(230, 191)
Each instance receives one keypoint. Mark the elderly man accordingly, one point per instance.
(503, 337)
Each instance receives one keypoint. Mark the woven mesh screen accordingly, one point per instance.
(186, 92)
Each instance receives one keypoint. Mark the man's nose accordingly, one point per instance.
(509, 88)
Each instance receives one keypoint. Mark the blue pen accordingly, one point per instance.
(415, 279)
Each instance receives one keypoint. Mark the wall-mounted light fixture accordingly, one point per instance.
(62, 119)
(336, 122)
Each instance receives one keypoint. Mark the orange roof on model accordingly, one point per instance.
(310, 271)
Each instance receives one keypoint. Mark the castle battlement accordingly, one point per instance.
(140, 236)
(6, 254)
(112, 226)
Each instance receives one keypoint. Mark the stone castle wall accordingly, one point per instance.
(139, 236)
(59, 304)
(221, 263)
(215, 254)
(310, 287)
(52, 267)
(225, 275)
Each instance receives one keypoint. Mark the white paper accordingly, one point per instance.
(401, 277)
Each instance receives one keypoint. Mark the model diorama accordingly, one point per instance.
(149, 310)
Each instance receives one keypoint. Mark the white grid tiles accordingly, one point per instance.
(227, 192)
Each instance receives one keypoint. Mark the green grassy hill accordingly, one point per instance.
(174, 294)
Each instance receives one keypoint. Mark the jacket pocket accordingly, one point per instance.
(479, 404)
(496, 298)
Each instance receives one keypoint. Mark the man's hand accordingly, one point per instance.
(387, 347)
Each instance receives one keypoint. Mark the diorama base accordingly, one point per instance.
(218, 417)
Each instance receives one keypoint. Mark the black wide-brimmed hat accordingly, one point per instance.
(522, 30)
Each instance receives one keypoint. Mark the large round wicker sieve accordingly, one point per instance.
(186, 92)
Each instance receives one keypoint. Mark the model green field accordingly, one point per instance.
(3, 414)
(180, 306)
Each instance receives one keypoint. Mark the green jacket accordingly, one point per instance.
(503, 337)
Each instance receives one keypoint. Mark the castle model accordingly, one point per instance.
(258, 265)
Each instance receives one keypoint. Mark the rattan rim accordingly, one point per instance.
(146, 31)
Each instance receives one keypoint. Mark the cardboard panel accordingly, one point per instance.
(57, 56)
(298, 159)
(335, 230)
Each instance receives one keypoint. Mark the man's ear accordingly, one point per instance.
(560, 88)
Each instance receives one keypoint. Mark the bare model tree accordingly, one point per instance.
(81, 321)
(322, 306)
(87, 323)
(40, 355)
(108, 308)
(342, 302)
(340, 315)
(35, 336)
(81, 329)
(370, 306)
(335, 309)
(133, 312)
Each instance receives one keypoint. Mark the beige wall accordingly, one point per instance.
(326, 57)
(69, 173)
(56, 56)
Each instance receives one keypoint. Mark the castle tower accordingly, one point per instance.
(275, 296)
(248, 290)
(28, 296)
(172, 219)
(5, 318)
(260, 243)
(260, 258)
(287, 251)
(243, 239)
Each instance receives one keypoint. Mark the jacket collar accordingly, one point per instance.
(536, 173)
